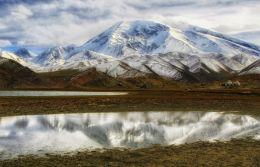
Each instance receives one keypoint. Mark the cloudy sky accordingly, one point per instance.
(63, 22)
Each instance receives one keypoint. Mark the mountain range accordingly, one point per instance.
(143, 48)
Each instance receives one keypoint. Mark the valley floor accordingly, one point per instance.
(234, 100)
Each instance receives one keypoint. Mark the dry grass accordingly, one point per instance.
(204, 100)
(237, 153)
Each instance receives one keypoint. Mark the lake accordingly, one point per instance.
(39, 134)
(57, 93)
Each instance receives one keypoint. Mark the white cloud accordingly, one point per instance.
(252, 36)
(21, 12)
(62, 22)
(4, 43)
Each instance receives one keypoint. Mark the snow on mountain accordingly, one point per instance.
(89, 56)
(253, 68)
(251, 36)
(54, 56)
(237, 41)
(151, 38)
(27, 62)
(24, 53)
(138, 48)
(170, 65)
(78, 60)
(11, 56)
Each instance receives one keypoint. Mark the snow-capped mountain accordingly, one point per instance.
(151, 38)
(12, 56)
(138, 48)
(253, 36)
(54, 56)
(24, 53)
(253, 68)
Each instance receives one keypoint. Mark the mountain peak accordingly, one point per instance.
(134, 48)
(14, 57)
(130, 37)
(136, 26)
(142, 37)
(55, 55)
(141, 25)
(23, 53)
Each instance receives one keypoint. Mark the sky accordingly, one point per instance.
(63, 22)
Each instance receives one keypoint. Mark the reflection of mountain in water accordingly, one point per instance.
(105, 130)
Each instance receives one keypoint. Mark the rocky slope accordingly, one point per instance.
(14, 75)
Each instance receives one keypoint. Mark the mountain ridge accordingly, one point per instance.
(139, 48)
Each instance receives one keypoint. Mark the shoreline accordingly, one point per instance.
(245, 152)
(242, 152)
(244, 102)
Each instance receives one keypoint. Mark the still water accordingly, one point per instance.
(38, 134)
(58, 93)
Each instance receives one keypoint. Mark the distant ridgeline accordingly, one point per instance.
(142, 54)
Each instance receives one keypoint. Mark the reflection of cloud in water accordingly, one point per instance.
(51, 133)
